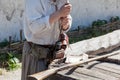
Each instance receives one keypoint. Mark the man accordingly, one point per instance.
(42, 31)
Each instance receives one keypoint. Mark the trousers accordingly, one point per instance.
(30, 63)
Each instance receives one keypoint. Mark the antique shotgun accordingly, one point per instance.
(49, 72)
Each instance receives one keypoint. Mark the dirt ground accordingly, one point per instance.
(11, 75)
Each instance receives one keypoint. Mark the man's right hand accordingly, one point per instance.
(62, 12)
(65, 10)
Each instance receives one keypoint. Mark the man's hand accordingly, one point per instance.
(60, 54)
(65, 10)
(62, 12)
(65, 22)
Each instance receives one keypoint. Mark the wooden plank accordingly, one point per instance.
(85, 74)
(94, 74)
(76, 75)
(91, 64)
(94, 66)
(61, 77)
(49, 72)
(106, 72)
(98, 71)
(110, 65)
(85, 77)
(115, 57)
(108, 69)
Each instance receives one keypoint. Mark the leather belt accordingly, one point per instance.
(45, 46)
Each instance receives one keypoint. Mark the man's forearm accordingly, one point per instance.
(54, 17)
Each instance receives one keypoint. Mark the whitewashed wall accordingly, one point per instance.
(83, 13)
(11, 14)
(86, 11)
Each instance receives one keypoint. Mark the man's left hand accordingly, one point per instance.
(65, 22)
(60, 54)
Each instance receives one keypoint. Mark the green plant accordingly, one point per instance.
(4, 43)
(99, 23)
(113, 19)
(12, 62)
(73, 40)
(98, 28)
(9, 61)
(3, 59)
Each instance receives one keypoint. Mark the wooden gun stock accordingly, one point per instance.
(44, 74)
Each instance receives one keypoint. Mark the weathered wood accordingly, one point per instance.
(96, 45)
(14, 46)
(71, 73)
(116, 57)
(109, 65)
(106, 68)
(45, 74)
(86, 74)
(106, 72)
(95, 74)
(61, 77)
(10, 41)
(21, 37)
(110, 60)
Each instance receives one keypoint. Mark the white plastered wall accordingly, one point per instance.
(84, 12)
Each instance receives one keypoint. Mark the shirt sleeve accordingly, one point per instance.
(34, 14)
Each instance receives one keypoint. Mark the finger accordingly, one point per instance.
(65, 19)
(68, 10)
(65, 27)
(68, 17)
(68, 6)
(64, 23)
(67, 3)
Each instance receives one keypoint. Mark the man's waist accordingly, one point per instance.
(41, 45)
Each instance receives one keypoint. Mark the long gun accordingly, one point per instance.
(49, 72)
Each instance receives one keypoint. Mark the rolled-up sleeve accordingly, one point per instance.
(34, 14)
